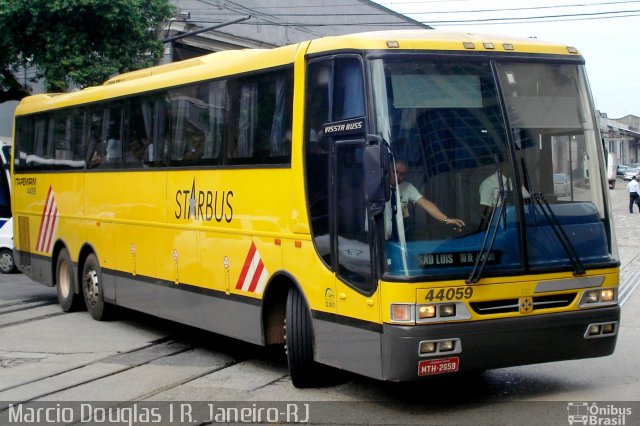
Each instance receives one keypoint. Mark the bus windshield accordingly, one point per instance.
(522, 174)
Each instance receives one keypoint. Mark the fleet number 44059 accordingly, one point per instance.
(451, 293)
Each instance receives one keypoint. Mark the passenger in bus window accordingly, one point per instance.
(405, 193)
(96, 156)
(195, 150)
(114, 150)
(135, 149)
(147, 154)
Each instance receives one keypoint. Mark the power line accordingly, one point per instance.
(316, 15)
(493, 21)
(423, 2)
(229, 6)
(436, 23)
(462, 23)
(530, 18)
(516, 9)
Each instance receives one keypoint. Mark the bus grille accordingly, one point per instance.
(511, 305)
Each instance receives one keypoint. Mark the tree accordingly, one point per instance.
(77, 42)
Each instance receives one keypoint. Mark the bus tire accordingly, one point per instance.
(299, 342)
(7, 264)
(68, 299)
(92, 289)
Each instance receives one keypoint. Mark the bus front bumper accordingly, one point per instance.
(498, 343)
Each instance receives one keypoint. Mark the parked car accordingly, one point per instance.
(561, 185)
(621, 169)
(611, 170)
(7, 264)
(630, 173)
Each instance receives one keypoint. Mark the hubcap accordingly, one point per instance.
(6, 261)
(64, 280)
(92, 288)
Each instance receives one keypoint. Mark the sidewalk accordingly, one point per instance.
(627, 229)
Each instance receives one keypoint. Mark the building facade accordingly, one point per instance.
(621, 137)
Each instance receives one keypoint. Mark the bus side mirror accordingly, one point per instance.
(376, 173)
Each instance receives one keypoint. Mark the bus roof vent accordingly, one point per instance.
(147, 72)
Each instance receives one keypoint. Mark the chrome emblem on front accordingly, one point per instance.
(525, 305)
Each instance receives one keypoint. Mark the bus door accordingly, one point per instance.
(335, 130)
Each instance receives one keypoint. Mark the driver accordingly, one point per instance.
(409, 194)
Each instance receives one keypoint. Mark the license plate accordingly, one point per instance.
(438, 366)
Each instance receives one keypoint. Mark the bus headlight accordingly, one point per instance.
(447, 345)
(406, 313)
(594, 330)
(436, 311)
(426, 311)
(607, 295)
(592, 296)
(431, 348)
(603, 329)
(447, 310)
(597, 297)
(427, 347)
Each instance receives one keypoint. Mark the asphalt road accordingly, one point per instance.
(74, 366)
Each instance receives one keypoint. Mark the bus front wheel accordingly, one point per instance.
(93, 290)
(68, 299)
(299, 341)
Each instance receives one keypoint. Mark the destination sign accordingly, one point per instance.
(432, 260)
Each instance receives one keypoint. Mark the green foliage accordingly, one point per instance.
(78, 42)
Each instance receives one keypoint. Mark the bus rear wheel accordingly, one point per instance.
(68, 299)
(299, 342)
(92, 289)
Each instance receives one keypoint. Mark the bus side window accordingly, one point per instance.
(24, 142)
(95, 148)
(264, 109)
(112, 134)
(317, 155)
(67, 139)
(317, 107)
(348, 90)
(213, 122)
(31, 143)
(145, 119)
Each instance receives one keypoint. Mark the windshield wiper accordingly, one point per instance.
(527, 183)
(558, 230)
(492, 228)
(483, 254)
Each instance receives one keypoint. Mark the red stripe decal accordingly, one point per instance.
(246, 266)
(42, 220)
(256, 276)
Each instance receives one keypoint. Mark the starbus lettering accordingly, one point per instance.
(194, 204)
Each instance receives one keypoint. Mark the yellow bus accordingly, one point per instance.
(396, 204)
